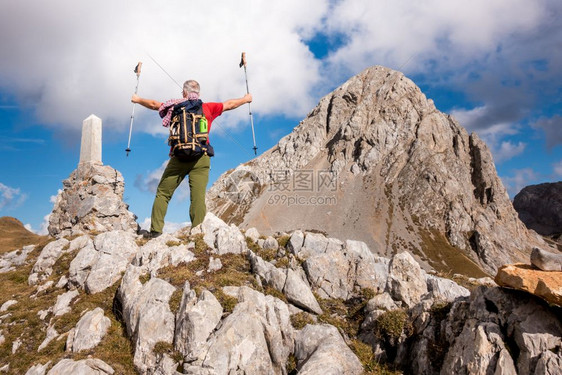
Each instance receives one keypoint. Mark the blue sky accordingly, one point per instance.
(495, 66)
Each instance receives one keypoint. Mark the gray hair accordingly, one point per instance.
(191, 86)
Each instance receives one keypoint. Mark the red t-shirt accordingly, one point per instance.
(211, 112)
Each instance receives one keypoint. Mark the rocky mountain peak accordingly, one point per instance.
(376, 161)
(91, 201)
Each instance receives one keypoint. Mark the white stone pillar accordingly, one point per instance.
(90, 149)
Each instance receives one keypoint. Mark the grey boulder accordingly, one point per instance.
(320, 350)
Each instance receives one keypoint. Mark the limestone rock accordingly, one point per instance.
(196, 319)
(62, 306)
(6, 305)
(49, 255)
(478, 348)
(253, 234)
(15, 258)
(220, 236)
(375, 307)
(89, 331)
(256, 338)
(295, 242)
(51, 335)
(549, 364)
(419, 180)
(479, 329)
(320, 349)
(157, 253)
(287, 282)
(540, 207)
(299, 293)
(146, 313)
(545, 260)
(406, 281)
(91, 201)
(272, 275)
(38, 369)
(544, 284)
(215, 264)
(82, 263)
(340, 271)
(88, 366)
(445, 289)
(270, 243)
(99, 264)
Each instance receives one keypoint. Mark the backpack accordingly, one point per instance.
(189, 135)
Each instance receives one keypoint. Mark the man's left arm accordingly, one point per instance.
(235, 103)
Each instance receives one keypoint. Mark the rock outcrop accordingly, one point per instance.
(311, 304)
(91, 201)
(376, 161)
(544, 284)
(540, 207)
(546, 260)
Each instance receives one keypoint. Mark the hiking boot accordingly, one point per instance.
(151, 234)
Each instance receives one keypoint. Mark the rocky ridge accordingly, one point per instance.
(384, 166)
(215, 300)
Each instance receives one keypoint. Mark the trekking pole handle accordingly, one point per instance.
(138, 69)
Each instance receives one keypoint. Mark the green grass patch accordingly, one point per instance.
(300, 320)
(391, 324)
(252, 245)
(346, 315)
(175, 300)
(291, 365)
(370, 364)
(444, 257)
(227, 302)
(14, 236)
(24, 323)
(283, 240)
(267, 254)
(269, 290)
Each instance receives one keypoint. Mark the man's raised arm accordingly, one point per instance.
(148, 103)
(235, 103)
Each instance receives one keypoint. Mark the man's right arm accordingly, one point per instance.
(148, 103)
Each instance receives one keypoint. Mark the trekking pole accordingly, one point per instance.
(138, 72)
(243, 63)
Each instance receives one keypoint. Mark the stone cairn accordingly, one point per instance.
(92, 198)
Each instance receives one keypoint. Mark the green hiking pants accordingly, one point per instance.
(173, 175)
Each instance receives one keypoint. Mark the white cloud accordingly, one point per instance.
(53, 198)
(446, 32)
(149, 183)
(520, 179)
(10, 197)
(552, 128)
(43, 227)
(88, 50)
(508, 150)
(557, 169)
(493, 134)
(473, 120)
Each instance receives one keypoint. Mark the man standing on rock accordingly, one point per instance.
(176, 170)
